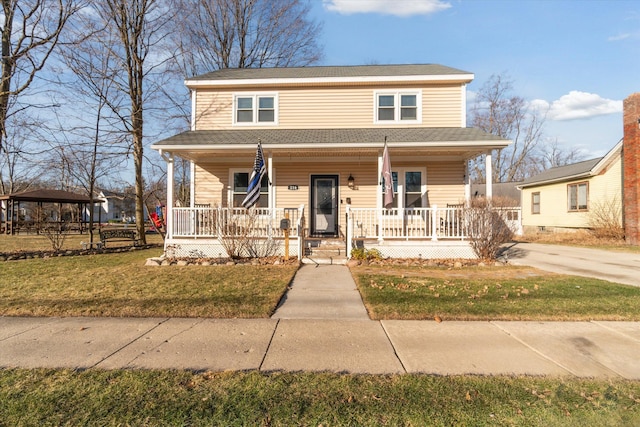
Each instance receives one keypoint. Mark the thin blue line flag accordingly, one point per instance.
(253, 190)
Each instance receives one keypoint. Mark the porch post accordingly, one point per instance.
(168, 157)
(467, 184)
(272, 188)
(349, 229)
(192, 184)
(379, 198)
(488, 168)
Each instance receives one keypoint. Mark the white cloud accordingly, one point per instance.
(619, 37)
(581, 105)
(386, 7)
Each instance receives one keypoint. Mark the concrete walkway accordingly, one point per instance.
(322, 292)
(322, 326)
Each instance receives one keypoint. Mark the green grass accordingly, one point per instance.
(492, 293)
(120, 285)
(175, 398)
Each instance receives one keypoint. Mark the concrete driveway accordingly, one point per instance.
(614, 266)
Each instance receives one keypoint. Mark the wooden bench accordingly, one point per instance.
(118, 236)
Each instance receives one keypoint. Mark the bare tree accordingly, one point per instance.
(16, 163)
(30, 32)
(246, 34)
(498, 111)
(551, 154)
(138, 25)
(93, 134)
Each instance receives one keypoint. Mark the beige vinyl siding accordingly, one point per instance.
(211, 184)
(214, 109)
(340, 107)
(445, 183)
(605, 188)
(442, 106)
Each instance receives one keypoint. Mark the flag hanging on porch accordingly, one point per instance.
(253, 190)
(387, 177)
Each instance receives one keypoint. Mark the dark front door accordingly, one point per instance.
(324, 205)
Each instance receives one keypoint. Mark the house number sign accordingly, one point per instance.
(293, 187)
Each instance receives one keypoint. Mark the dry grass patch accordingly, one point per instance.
(120, 285)
(491, 293)
(39, 242)
(581, 238)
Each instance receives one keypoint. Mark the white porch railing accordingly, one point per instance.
(416, 223)
(234, 222)
(431, 223)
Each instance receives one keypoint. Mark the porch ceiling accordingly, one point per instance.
(458, 142)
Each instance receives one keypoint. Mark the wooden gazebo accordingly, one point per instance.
(11, 202)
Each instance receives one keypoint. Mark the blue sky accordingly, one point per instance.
(579, 58)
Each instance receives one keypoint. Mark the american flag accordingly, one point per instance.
(253, 190)
(387, 177)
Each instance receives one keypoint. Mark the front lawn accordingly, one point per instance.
(491, 293)
(119, 284)
(179, 398)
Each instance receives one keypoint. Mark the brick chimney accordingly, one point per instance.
(631, 168)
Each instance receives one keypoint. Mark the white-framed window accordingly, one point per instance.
(252, 109)
(535, 203)
(578, 197)
(239, 181)
(409, 188)
(398, 107)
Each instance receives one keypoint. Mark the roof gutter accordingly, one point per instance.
(321, 146)
(466, 78)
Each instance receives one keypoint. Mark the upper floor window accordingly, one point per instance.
(398, 107)
(578, 196)
(255, 109)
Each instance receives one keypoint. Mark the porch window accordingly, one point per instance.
(578, 195)
(394, 178)
(254, 109)
(240, 184)
(398, 107)
(408, 189)
(413, 190)
(535, 203)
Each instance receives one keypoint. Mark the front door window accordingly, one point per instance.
(324, 205)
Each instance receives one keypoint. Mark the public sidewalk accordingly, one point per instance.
(298, 338)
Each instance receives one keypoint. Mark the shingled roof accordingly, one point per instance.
(570, 172)
(346, 137)
(47, 196)
(330, 72)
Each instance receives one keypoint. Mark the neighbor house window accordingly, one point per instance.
(240, 184)
(398, 107)
(535, 203)
(255, 109)
(578, 195)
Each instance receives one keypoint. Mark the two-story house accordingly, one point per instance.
(323, 133)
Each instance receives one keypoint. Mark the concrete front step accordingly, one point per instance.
(325, 251)
(338, 260)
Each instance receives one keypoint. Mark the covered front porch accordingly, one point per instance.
(205, 232)
(327, 184)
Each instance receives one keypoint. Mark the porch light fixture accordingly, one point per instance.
(351, 182)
